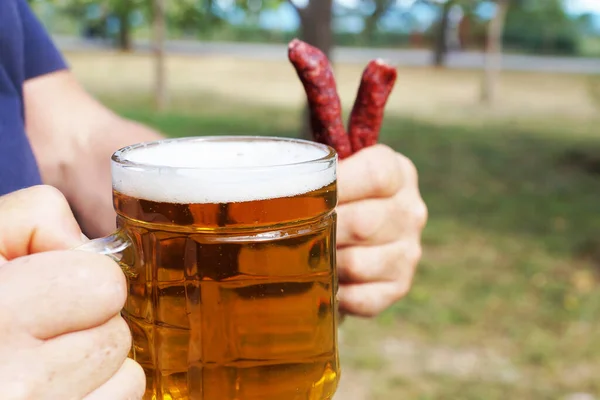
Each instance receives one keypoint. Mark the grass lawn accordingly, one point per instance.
(506, 301)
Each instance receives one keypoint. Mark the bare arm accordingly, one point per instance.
(73, 137)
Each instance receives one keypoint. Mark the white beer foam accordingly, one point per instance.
(205, 171)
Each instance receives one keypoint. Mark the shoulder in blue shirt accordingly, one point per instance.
(26, 51)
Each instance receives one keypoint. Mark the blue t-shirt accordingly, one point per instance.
(26, 51)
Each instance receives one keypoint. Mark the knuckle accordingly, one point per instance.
(401, 289)
(415, 255)
(350, 266)
(50, 201)
(371, 312)
(420, 213)
(365, 225)
(50, 195)
(408, 168)
(382, 171)
(114, 273)
(101, 272)
(137, 378)
(42, 196)
(118, 339)
(366, 307)
(403, 282)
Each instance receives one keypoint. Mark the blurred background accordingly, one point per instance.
(497, 103)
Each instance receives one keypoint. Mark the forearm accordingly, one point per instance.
(86, 181)
(73, 137)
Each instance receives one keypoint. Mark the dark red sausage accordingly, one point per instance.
(377, 82)
(316, 74)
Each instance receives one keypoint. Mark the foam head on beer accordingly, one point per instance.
(221, 171)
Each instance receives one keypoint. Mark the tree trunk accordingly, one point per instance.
(123, 13)
(381, 8)
(493, 56)
(316, 29)
(124, 42)
(160, 77)
(369, 29)
(316, 24)
(440, 49)
(464, 32)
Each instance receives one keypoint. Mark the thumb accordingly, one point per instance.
(35, 220)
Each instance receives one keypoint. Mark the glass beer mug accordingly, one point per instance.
(228, 245)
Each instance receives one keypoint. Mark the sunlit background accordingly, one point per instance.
(506, 302)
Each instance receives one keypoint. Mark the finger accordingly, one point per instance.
(386, 263)
(34, 220)
(66, 291)
(129, 383)
(78, 363)
(366, 222)
(380, 221)
(370, 299)
(374, 172)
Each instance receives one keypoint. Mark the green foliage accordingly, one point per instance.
(537, 26)
(78, 8)
(192, 16)
(541, 27)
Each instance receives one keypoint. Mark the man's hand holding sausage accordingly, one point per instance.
(380, 219)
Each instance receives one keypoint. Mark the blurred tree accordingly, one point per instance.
(185, 15)
(195, 16)
(441, 27)
(160, 79)
(541, 26)
(586, 24)
(493, 52)
(121, 10)
(440, 44)
(551, 16)
(532, 25)
(316, 19)
(379, 9)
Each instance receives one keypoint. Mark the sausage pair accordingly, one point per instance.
(316, 74)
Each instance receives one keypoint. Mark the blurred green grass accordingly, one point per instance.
(511, 267)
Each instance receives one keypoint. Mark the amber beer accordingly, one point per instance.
(232, 295)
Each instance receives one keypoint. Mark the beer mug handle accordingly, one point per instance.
(117, 246)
